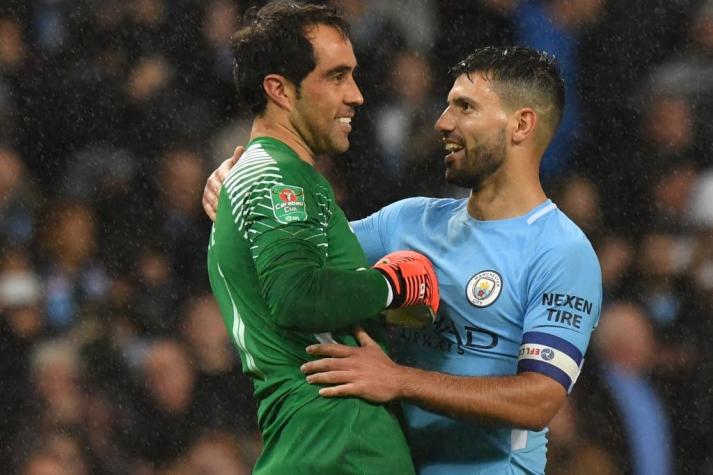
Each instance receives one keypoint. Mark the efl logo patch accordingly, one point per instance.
(484, 288)
(288, 203)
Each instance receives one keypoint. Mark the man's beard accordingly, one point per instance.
(479, 164)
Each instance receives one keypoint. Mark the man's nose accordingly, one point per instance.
(353, 96)
(445, 122)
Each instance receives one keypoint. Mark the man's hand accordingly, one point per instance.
(412, 279)
(365, 372)
(211, 192)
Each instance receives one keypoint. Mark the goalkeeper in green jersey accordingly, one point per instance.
(285, 267)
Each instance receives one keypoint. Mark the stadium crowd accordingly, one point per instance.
(113, 355)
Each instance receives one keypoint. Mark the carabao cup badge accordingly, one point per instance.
(288, 203)
(484, 288)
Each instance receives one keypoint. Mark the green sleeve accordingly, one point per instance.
(290, 247)
(304, 294)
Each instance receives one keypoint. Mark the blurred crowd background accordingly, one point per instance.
(113, 356)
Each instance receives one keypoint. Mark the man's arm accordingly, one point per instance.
(298, 288)
(289, 258)
(565, 276)
(528, 400)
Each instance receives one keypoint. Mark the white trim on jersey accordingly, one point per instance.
(238, 331)
(518, 439)
(541, 213)
(325, 337)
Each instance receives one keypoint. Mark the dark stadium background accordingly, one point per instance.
(113, 358)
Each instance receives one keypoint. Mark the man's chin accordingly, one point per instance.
(332, 149)
(339, 147)
(452, 178)
(458, 179)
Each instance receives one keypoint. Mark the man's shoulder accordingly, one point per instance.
(254, 162)
(270, 162)
(420, 206)
(557, 230)
(269, 153)
(559, 239)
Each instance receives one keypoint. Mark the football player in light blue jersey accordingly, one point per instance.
(520, 283)
(518, 296)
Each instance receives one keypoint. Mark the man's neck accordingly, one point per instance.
(265, 127)
(507, 194)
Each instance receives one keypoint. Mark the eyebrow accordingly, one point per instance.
(339, 70)
(464, 100)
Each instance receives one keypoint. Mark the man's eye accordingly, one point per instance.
(339, 77)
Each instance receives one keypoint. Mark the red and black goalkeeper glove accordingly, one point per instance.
(411, 277)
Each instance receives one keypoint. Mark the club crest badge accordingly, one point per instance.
(484, 288)
(288, 203)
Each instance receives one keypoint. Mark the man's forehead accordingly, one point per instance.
(327, 39)
(472, 84)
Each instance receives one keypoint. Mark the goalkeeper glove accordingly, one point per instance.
(411, 278)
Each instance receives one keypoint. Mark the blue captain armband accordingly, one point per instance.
(552, 356)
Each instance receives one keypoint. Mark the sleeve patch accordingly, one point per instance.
(551, 356)
(288, 203)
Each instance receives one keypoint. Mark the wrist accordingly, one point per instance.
(390, 292)
(393, 285)
(406, 382)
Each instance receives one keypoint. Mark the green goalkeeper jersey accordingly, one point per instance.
(287, 271)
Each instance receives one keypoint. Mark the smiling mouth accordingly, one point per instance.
(452, 148)
(345, 123)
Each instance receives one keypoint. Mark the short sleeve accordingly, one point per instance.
(564, 301)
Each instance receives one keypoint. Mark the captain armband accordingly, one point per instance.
(552, 356)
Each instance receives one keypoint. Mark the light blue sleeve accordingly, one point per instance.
(564, 297)
(376, 231)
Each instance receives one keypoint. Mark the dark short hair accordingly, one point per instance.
(273, 40)
(525, 76)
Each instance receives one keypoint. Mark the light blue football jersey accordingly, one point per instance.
(519, 294)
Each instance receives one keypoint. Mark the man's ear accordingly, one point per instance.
(279, 90)
(525, 125)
